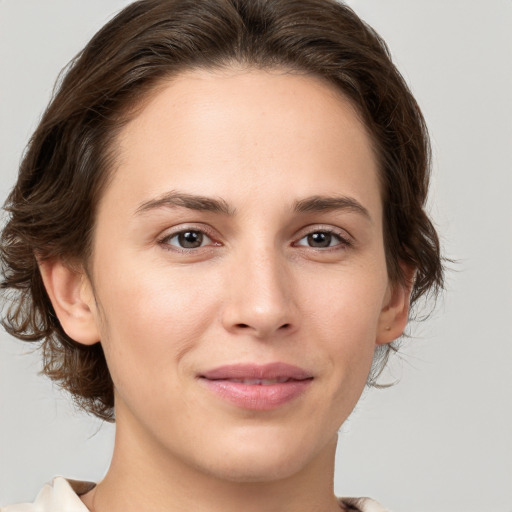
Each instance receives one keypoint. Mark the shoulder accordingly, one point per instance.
(59, 495)
(361, 505)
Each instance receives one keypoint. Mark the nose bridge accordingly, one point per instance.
(260, 298)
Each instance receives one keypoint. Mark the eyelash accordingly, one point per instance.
(165, 241)
(343, 241)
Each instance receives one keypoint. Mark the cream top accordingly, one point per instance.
(62, 495)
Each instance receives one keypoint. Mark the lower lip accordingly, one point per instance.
(258, 397)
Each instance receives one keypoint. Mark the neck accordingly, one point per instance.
(142, 477)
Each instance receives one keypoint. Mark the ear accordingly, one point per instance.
(395, 311)
(71, 295)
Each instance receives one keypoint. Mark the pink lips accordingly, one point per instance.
(257, 387)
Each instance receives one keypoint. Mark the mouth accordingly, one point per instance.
(259, 382)
(257, 387)
(260, 374)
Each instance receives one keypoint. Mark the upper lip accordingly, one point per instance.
(255, 371)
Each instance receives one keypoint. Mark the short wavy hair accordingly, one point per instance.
(51, 210)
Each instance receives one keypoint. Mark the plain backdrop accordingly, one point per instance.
(441, 439)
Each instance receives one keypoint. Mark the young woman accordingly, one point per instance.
(217, 233)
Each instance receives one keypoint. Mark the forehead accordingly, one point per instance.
(210, 130)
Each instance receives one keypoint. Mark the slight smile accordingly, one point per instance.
(257, 387)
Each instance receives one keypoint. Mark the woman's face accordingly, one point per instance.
(238, 273)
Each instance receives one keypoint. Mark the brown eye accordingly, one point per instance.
(188, 239)
(320, 239)
(323, 240)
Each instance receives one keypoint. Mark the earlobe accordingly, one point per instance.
(395, 312)
(71, 295)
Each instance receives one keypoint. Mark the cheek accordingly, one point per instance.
(347, 303)
(343, 314)
(151, 319)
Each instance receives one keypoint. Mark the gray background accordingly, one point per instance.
(441, 439)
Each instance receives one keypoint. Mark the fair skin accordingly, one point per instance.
(274, 270)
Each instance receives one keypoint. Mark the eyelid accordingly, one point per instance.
(346, 240)
(182, 228)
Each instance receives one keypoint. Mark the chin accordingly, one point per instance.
(257, 471)
(257, 462)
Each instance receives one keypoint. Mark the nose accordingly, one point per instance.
(260, 298)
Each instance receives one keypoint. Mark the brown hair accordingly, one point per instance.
(66, 166)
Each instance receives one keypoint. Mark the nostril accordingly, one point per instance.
(263, 329)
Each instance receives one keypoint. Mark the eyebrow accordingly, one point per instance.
(217, 205)
(190, 201)
(329, 204)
